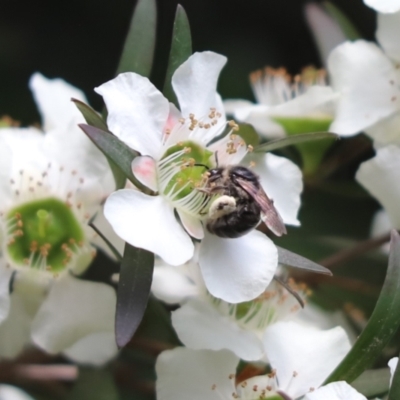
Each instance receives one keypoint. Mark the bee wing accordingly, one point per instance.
(269, 214)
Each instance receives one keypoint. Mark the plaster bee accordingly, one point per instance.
(241, 205)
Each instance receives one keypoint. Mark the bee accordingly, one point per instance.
(242, 203)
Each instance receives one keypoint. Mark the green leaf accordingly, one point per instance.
(181, 50)
(118, 152)
(133, 292)
(382, 325)
(394, 393)
(94, 119)
(138, 52)
(91, 117)
(94, 384)
(373, 382)
(107, 242)
(248, 134)
(347, 27)
(291, 259)
(292, 140)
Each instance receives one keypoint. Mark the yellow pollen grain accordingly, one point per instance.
(255, 388)
(295, 373)
(231, 376)
(214, 386)
(181, 120)
(250, 148)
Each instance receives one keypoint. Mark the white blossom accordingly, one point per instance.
(301, 359)
(171, 143)
(52, 183)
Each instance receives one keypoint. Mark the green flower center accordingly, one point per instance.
(178, 167)
(43, 234)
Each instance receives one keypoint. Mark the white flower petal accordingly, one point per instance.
(193, 225)
(316, 101)
(220, 149)
(282, 181)
(392, 365)
(237, 270)
(148, 222)
(379, 176)
(73, 310)
(137, 111)
(386, 131)
(311, 353)
(106, 229)
(5, 276)
(259, 116)
(367, 94)
(145, 171)
(232, 105)
(387, 33)
(200, 326)
(53, 98)
(8, 392)
(172, 284)
(195, 83)
(95, 349)
(15, 330)
(335, 391)
(184, 374)
(384, 6)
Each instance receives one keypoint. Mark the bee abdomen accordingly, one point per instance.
(235, 224)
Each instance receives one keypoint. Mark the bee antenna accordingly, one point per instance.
(290, 290)
(216, 158)
(201, 165)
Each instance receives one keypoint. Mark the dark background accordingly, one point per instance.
(81, 41)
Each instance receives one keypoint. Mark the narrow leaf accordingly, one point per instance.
(295, 139)
(118, 152)
(181, 50)
(291, 259)
(91, 116)
(382, 325)
(137, 54)
(373, 382)
(94, 119)
(107, 242)
(133, 292)
(394, 393)
(94, 383)
(348, 28)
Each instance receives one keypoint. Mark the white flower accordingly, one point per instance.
(171, 143)
(282, 100)
(384, 6)
(379, 176)
(342, 390)
(8, 392)
(204, 322)
(301, 358)
(335, 391)
(367, 79)
(51, 185)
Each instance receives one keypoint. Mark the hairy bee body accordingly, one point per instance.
(242, 203)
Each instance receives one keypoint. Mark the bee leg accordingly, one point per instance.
(212, 190)
(290, 290)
